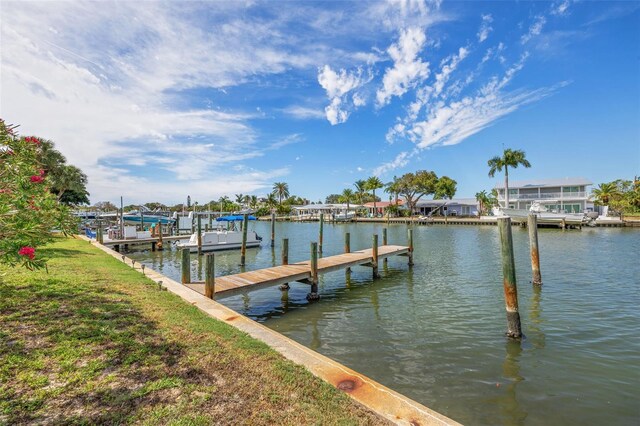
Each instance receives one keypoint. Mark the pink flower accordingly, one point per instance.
(36, 179)
(30, 252)
(33, 140)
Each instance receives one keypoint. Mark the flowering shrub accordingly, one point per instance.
(28, 209)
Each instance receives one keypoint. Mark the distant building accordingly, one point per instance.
(570, 195)
(380, 207)
(453, 207)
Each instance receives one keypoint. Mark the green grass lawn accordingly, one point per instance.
(93, 341)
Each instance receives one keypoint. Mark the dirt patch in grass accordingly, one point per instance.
(93, 342)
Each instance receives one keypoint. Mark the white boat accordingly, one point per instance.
(544, 216)
(344, 216)
(220, 240)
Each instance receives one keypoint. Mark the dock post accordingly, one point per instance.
(410, 233)
(243, 252)
(320, 234)
(99, 235)
(313, 295)
(374, 256)
(141, 221)
(153, 246)
(384, 242)
(509, 279)
(273, 229)
(347, 245)
(199, 235)
(209, 276)
(533, 246)
(159, 245)
(285, 260)
(186, 266)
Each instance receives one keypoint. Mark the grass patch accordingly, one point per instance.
(93, 341)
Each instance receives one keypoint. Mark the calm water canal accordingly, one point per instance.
(435, 332)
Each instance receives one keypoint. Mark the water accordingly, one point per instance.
(436, 332)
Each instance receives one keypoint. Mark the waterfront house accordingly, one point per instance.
(569, 195)
(453, 207)
(380, 207)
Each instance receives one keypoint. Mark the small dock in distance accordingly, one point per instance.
(301, 271)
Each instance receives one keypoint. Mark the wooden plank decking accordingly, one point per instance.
(298, 271)
(145, 240)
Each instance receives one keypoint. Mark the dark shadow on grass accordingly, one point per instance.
(104, 356)
(53, 252)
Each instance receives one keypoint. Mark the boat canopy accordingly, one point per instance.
(234, 218)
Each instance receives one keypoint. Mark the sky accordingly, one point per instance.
(155, 101)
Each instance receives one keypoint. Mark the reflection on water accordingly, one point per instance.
(434, 332)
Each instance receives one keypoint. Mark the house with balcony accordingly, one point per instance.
(570, 195)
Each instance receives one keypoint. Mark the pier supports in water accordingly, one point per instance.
(384, 241)
(243, 252)
(320, 233)
(374, 256)
(509, 279)
(199, 235)
(186, 266)
(347, 246)
(532, 222)
(159, 245)
(314, 273)
(285, 260)
(273, 229)
(209, 276)
(410, 235)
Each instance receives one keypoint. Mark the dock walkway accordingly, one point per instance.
(300, 271)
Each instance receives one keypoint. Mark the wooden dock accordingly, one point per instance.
(300, 271)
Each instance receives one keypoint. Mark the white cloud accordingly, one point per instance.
(485, 27)
(534, 30)
(338, 85)
(102, 82)
(303, 113)
(401, 160)
(560, 8)
(408, 68)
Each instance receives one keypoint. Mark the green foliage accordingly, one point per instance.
(66, 181)
(281, 190)
(510, 158)
(413, 186)
(445, 188)
(29, 210)
(621, 195)
(486, 201)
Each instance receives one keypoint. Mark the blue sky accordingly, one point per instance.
(155, 101)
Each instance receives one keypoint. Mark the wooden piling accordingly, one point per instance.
(410, 235)
(159, 245)
(384, 242)
(199, 235)
(509, 279)
(285, 251)
(374, 253)
(347, 245)
(186, 266)
(209, 276)
(320, 233)
(243, 252)
(99, 235)
(273, 229)
(313, 295)
(153, 246)
(532, 221)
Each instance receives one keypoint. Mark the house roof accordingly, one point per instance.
(541, 183)
(452, 202)
(383, 204)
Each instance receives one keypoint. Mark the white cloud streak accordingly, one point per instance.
(534, 30)
(338, 85)
(408, 68)
(485, 27)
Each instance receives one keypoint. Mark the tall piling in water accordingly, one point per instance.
(532, 222)
(410, 254)
(243, 250)
(509, 279)
(347, 246)
(199, 235)
(384, 242)
(313, 295)
(209, 276)
(160, 244)
(285, 261)
(186, 266)
(273, 229)
(374, 256)
(320, 233)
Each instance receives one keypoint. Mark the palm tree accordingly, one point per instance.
(372, 184)
(604, 192)
(254, 201)
(510, 158)
(347, 197)
(361, 188)
(223, 203)
(484, 199)
(271, 201)
(281, 190)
